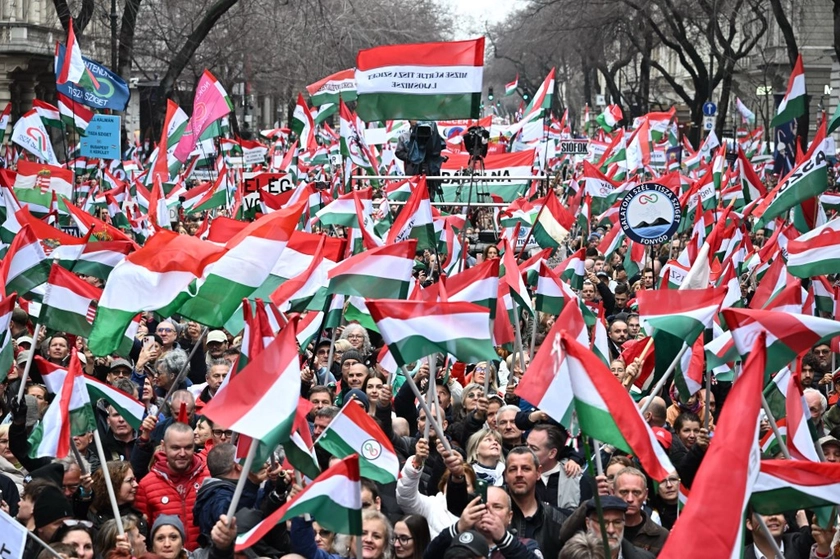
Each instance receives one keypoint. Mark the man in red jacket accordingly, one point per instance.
(173, 481)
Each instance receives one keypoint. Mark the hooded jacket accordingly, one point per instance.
(213, 499)
(163, 491)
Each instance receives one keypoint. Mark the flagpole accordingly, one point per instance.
(243, 477)
(43, 544)
(664, 378)
(429, 404)
(106, 475)
(518, 339)
(425, 408)
(533, 339)
(35, 335)
(774, 427)
(769, 535)
(707, 414)
(77, 456)
(602, 525)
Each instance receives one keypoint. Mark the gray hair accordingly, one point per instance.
(173, 361)
(221, 459)
(366, 347)
(327, 411)
(128, 386)
(823, 401)
(506, 408)
(582, 545)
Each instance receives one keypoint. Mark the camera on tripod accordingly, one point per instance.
(476, 139)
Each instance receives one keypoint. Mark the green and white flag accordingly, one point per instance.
(792, 105)
(330, 89)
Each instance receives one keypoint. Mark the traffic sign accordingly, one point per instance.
(709, 108)
(708, 122)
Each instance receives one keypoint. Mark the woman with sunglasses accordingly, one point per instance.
(77, 533)
(125, 489)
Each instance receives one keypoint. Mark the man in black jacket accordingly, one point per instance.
(531, 518)
(492, 521)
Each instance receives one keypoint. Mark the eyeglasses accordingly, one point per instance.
(122, 373)
(402, 539)
(222, 433)
(323, 534)
(165, 330)
(673, 480)
(822, 351)
(74, 522)
(355, 337)
(323, 352)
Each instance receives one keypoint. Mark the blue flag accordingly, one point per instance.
(104, 89)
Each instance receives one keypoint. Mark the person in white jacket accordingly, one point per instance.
(434, 508)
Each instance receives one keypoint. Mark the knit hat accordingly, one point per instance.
(352, 354)
(51, 505)
(168, 520)
(53, 472)
(360, 396)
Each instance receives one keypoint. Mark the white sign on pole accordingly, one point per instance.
(12, 537)
(708, 123)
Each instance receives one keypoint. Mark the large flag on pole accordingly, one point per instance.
(328, 90)
(30, 134)
(381, 273)
(416, 329)
(422, 81)
(792, 105)
(712, 524)
(73, 67)
(353, 431)
(334, 499)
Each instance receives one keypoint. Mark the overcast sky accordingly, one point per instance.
(472, 14)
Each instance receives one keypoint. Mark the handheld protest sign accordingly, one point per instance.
(650, 214)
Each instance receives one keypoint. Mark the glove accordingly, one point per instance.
(19, 410)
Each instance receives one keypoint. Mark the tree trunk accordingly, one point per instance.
(644, 71)
(126, 45)
(725, 93)
(695, 136)
(191, 44)
(80, 21)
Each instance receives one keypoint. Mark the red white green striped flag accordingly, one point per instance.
(74, 114)
(155, 278)
(247, 263)
(7, 306)
(380, 273)
(328, 90)
(788, 335)
(132, 410)
(342, 210)
(510, 88)
(334, 499)
(415, 220)
(790, 485)
(97, 258)
(422, 81)
(416, 329)
(552, 293)
(604, 409)
(25, 265)
(353, 431)
(712, 524)
(573, 269)
(793, 104)
(817, 252)
(478, 285)
(261, 399)
(553, 223)
(677, 318)
(513, 277)
(70, 414)
(69, 303)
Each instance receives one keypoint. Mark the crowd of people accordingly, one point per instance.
(516, 484)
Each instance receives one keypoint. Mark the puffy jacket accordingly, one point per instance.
(163, 491)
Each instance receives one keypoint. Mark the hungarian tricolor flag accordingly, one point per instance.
(712, 524)
(553, 223)
(380, 273)
(155, 278)
(416, 329)
(790, 485)
(420, 81)
(793, 103)
(302, 124)
(70, 414)
(131, 409)
(788, 335)
(261, 399)
(25, 265)
(510, 88)
(74, 114)
(479, 285)
(328, 90)
(603, 407)
(334, 499)
(610, 118)
(415, 220)
(73, 68)
(815, 253)
(7, 306)
(552, 294)
(353, 431)
(246, 264)
(69, 303)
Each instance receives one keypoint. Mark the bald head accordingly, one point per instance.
(656, 415)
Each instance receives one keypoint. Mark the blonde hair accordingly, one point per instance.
(475, 440)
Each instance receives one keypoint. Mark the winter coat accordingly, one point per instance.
(163, 491)
(432, 508)
(213, 499)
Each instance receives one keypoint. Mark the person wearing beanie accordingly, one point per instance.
(350, 358)
(360, 397)
(51, 509)
(167, 539)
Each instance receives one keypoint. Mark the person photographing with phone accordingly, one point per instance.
(489, 517)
